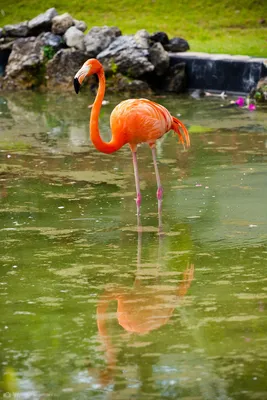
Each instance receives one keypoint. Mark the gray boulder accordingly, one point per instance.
(61, 23)
(127, 57)
(160, 37)
(159, 58)
(49, 39)
(177, 45)
(49, 43)
(17, 30)
(81, 25)
(6, 43)
(262, 88)
(61, 69)
(24, 68)
(74, 38)
(259, 93)
(99, 38)
(42, 23)
(142, 38)
(119, 83)
(5, 50)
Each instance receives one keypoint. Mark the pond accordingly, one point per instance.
(92, 307)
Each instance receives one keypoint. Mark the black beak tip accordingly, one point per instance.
(77, 85)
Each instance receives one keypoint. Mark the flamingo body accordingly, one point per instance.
(139, 121)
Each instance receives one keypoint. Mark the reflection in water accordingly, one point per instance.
(146, 306)
(3, 190)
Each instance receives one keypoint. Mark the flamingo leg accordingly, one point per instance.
(137, 185)
(160, 189)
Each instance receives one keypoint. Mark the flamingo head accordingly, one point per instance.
(90, 67)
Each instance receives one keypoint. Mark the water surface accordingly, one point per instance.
(90, 308)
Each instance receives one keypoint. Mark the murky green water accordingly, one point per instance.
(192, 303)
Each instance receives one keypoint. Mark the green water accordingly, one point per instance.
(192, 302)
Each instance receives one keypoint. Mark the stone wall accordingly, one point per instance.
(47, 51)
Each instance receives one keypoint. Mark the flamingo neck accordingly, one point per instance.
(115, 143)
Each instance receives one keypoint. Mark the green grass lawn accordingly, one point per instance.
(230, 26)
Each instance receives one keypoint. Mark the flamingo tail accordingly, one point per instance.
(179, 128)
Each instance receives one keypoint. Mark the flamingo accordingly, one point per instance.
(132, 121)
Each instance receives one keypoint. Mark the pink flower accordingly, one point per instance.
(251, 107)
(240, 102)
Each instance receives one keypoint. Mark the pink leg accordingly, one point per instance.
(137, 184)
(160, 189)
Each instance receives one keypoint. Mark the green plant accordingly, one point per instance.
(114, 67)
(49, 52)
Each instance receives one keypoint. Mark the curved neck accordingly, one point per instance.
(115, 143)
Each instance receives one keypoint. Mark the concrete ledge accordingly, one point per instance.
(221, 72)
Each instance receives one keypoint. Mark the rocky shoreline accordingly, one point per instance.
(45, 53)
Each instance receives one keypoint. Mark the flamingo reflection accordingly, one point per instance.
(143, 308)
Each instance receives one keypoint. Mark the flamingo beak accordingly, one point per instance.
(79, 77)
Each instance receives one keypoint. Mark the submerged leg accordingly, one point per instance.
(137, 280)
(137, 184)
(160, 189)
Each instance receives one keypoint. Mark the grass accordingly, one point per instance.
(228, 26)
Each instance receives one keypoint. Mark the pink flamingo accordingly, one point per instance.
(132, 121)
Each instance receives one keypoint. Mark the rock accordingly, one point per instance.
(81, 25)
(260, 92)
(262, 88)
(159, 58)
(177, 45)
(49, 44)
(6, 43)
(119, 83)
(60, 23)
(175, 80)
(138, 86)
(262, 83)
(49, 39)
(61, 69)
(142, 38)
(42, 23)
(197, 93)
(17, 30)
(25, 64)
(99, 38)
(160, 37)
(5, 50)
(74, 38)
(126, 57)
